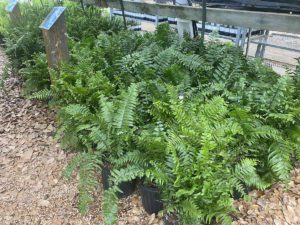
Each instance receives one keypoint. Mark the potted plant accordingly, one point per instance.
(152, 144)
(151, 199)
(127, 187)
(113, 134)
(170, 219)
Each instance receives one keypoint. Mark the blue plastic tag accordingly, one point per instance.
(52, 17)
(11, 5)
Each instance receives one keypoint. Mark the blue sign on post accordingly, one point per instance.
(52, 17)
(11, 6)
(55, 38)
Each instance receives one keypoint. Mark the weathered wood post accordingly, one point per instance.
(55, 37)
(13, 9)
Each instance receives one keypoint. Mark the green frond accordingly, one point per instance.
(191, 209)
(129, 173)
(110, 207)
(88, 165)
(135, 158)
(77, 111)
(107, 111)
(72, 166)
(246, 172)
(280, 159)
(42, 95)
(124, 116)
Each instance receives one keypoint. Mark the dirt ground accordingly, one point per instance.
(33, 191)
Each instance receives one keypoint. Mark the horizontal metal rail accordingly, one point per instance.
(258, 20)
(276, 46)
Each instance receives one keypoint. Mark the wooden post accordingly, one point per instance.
(55, 38)
(13, 9)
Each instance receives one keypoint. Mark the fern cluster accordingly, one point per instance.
(207, 121)
(199, 120)
(24, 43)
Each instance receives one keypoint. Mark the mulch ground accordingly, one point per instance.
(33, 190)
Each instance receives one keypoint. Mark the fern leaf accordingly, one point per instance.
(42, 95)
(246, 172)
(280, 159)
(110, 207)
(124, 116)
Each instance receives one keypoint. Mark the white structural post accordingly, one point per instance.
(184, 26)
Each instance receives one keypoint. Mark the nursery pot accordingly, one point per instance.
(170, 220)
(127, 188)
(237, 195)
(151, 199)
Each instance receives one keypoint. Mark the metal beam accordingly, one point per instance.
(242, 18)
(276, 46)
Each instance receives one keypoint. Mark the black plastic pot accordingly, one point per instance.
(170, 220)
(237, 195)
(151, 199)
(127, 188)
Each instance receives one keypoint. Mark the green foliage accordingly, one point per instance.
(36, 75)
(24, 42)
(208, 121)
(24, 38)
(88, 163)
(89, 22)
(200, 121)
(199, 180)
(42, 95)
(108, 130)
(4, 20)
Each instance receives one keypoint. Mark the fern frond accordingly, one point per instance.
(42, 95)
(124, 116)
(107, 110)
(88, 164)
(110, 207)
(280, 159)
(77, 111)
(246, 172)
(72, 165)
(135, 158)
(88, 168)
(191, 209)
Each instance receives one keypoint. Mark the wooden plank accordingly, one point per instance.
(54, 33)
(241, 18)
(13, 8)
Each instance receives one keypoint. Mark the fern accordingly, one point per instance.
(118, 176)
(110, 207)
(280, 159)
(42, 95)
(246, 172)
(87, 163)
(124, 116)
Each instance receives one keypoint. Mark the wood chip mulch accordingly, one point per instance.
(279, 205)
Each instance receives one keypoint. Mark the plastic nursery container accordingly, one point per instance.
(151, 199)
(170, 220)
(237, 195)
(127, 188)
